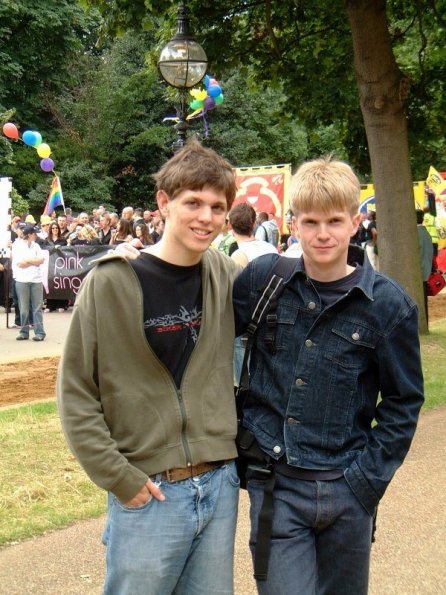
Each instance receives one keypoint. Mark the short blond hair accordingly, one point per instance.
(324, 184)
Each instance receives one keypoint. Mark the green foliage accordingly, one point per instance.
(253, 127)
(84, 186)
(20, 206)
(36, 41)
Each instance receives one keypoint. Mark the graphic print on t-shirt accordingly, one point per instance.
(170, 323)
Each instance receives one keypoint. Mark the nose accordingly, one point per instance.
(205, 213)
(322, 232)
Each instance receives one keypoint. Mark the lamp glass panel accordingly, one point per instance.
(183, 63)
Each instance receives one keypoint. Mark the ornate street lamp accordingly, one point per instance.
(182, 65)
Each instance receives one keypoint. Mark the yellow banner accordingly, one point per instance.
(435, 181)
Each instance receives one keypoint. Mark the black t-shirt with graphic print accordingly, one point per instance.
(172, 309)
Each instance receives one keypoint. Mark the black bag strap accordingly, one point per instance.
(279, 276)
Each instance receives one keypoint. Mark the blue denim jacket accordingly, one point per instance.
(315, 398)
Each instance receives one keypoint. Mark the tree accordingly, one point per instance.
(311, 48)
(37, 41)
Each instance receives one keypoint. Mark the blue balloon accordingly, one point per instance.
(206, 80)
(214, 90)
(29, 137)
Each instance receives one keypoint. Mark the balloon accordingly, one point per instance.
(47, 164)
(196, 104)
(38, 140)
(194, 93)
(219, 99)
(201, 95)
(43, 150)
(212, 82)
(209, 103)
(214, 90)
(206, 80)
(10, 130)
(29, 137)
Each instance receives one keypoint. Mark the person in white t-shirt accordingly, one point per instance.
(27, 259)
(242, 220)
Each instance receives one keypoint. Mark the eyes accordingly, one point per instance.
(313, 222)
(194, 203)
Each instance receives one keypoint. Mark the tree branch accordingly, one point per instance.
(276, 49)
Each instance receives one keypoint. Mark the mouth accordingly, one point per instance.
(201, 233)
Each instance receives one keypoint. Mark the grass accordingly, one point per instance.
(433, 351)
(42, 487)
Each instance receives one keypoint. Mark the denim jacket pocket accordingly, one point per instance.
(349, 352)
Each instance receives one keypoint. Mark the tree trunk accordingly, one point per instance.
(382, 91)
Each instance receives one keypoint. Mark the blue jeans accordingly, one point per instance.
(321, 538)
(30, 296)
(184, 545)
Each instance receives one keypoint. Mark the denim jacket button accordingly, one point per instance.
(311, 305)
(355, 336)
(299, 381)
(277, 449)
(308, 343)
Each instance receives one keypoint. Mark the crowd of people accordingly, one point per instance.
(21, 274)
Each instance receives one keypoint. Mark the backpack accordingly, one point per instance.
(271, 232)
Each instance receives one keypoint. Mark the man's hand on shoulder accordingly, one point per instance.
(127, 251)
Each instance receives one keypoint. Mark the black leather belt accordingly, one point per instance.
(308, 474)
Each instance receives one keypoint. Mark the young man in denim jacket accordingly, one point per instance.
(345, 335)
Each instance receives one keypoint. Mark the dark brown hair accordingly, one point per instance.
(242, 218)
(192, 168)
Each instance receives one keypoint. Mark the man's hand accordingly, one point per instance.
(127, 251)
(148, 490)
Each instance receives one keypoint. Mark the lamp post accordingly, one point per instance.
(182, 65)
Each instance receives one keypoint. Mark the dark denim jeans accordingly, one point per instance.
(321, 538)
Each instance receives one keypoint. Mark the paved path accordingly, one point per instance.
(408, 558)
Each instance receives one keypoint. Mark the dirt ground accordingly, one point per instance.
(34, 380)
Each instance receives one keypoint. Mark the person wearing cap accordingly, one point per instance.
(27, 259)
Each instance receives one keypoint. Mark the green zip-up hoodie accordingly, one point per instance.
(121, 412)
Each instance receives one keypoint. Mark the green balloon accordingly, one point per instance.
(196, 104)
(219, 99)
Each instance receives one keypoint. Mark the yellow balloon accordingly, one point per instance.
(43, 150)
(201, 95)
(194, 93)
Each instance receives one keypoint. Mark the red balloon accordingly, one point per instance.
(10, 130)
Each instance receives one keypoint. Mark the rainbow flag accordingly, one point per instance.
(55, 197)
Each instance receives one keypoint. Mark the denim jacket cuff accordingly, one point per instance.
(361, 488)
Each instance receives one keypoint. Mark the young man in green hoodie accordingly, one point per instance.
(145, 391)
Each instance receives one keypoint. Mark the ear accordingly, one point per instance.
(294, 230)
(356, 220)
(162, 200)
